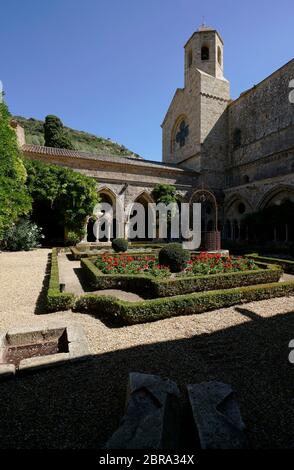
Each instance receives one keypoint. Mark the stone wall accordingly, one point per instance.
(265, 118)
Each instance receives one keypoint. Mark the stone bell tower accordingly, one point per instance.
(195, 130)
(205, 50)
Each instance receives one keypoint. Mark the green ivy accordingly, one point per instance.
(14, 198)
(71, 195)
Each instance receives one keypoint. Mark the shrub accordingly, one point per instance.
(73, 238)
(120, 245)
(57, 301)
(23, 236)
(174, 257)
(14, 199)
(61, 198)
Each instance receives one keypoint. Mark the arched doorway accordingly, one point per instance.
(144, 199)
(108, 230)
(276, 216)
(211, 239)
(237, 209)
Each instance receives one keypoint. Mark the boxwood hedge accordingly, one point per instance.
(158, 309)
(57, 301)
(169, 287)
(286, 265)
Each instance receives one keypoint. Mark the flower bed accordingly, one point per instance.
(205, 263)
(127, 264)
(202, 264)
(169, 286)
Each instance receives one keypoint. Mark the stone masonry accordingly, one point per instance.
(242, 150)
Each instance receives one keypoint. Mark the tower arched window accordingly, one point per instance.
(205, 53)
(219, 55)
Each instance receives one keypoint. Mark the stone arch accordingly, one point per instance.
(235, 199)
(209, 208)
(237, 207)
(115, 221)
(278, 204)
(276, 196)
(205, 52)
(145, 198)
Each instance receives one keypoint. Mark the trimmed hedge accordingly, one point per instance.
(57, 301)
(99, 281)
(286, 265)
(78, 254)
(159, 309)
(169, 287)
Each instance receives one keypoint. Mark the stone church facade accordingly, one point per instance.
(241, 150)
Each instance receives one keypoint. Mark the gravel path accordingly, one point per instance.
(79, 406)
(70, 273)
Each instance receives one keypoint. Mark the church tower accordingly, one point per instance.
(205, 50)
(195, 126)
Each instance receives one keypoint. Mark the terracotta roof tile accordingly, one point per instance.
(54, 152)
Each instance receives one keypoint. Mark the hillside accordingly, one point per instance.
(81, 140)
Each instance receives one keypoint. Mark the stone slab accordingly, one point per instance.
(20, 336)
(217, 416)
(7, 371)
(78, 348)
(152, 418)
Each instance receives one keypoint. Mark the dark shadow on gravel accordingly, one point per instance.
(80, 405)
(82, 280)
(41, 304)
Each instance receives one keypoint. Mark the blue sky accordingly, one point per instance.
(111, 68)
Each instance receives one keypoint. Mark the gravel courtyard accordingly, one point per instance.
(79, 406)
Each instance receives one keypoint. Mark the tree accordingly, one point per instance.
(55, 134)
(62, 198)
(166, 194)
(14, 198)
